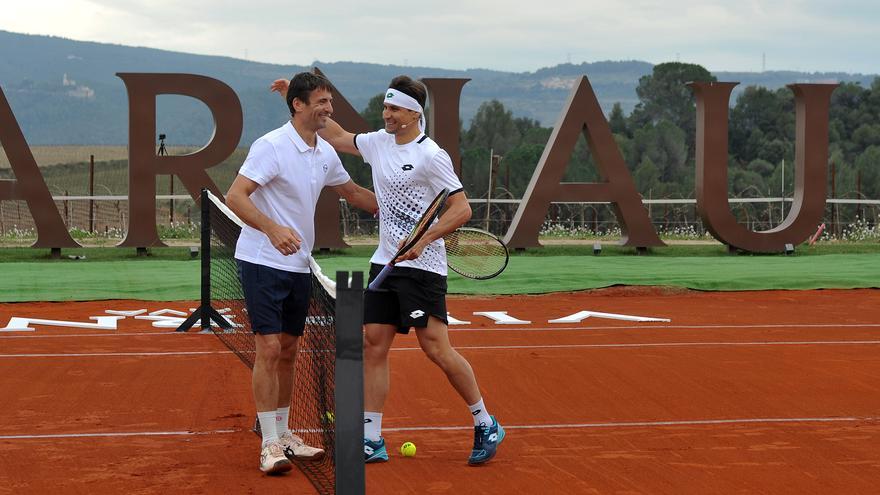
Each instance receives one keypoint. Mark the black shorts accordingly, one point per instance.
(277, 301)
(408, 298)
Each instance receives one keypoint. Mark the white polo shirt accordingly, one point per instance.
(406, 178)
(291, 175)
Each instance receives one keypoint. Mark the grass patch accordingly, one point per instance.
(93, 254)
(177, 253)
(702, 250)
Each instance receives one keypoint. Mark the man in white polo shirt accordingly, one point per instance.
(275, 194)
(409, 169)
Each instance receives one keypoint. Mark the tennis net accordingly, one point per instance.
(313, 411)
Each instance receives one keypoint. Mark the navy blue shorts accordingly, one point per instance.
(409, 297)
(277, 301)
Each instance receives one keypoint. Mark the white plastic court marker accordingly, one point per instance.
(101, 323)
(163, 312)
(119, 312)
(17, 325)
(161, 318)
(583, 315)
(162, 321)
(454, 321)
(501, 318)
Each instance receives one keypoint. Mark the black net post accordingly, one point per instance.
(349, 392)
(205, 311)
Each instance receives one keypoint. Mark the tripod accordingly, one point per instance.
(162, 151)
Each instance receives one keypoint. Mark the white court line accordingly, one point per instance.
(695, 422)
(654, 344)
(122, 434)
(670, 327)
(481, 347)
(115, 354)
(625, 424)
(104, 334)
(507, 329)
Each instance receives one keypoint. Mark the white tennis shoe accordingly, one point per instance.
(294, 448)
(273, 460)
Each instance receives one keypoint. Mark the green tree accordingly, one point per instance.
(866, 135)
(762, 116)
(868, 165)
(663, 95)
(647, 177)
(475, 171)
(493, 128)
(373, 112)
(849, 111)
(617, 120)
(761, 167)
(517, 168)
(664, 144)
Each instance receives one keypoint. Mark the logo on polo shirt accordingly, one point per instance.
(407, 167)
(325, 168)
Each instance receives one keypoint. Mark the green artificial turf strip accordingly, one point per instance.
(167, 280)
(153, 280)
(530, 275)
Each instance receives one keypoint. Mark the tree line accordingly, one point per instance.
(657, 140)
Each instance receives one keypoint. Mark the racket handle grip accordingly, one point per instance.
(377, 282)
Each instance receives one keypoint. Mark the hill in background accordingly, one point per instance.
(66, 92)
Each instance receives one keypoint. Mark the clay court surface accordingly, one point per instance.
(747, 392)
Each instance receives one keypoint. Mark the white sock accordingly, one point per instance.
(372, 426)
(267, 426)
(481, 416)
(281, 420)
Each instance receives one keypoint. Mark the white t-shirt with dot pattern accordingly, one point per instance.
(406, 178)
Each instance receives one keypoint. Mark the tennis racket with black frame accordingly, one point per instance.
(475, 253)
(414, 236)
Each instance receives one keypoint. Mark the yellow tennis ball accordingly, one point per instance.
(408, 449)
(329, 416)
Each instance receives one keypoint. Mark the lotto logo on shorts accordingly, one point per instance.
(417, 314)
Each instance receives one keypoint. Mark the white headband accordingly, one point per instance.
(403, 100)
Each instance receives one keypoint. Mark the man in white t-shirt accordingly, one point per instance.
(409, 169)
(275, 195)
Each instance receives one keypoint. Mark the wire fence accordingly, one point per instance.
(177, 217)
(91, 197)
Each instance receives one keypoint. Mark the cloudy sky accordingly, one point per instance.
(747, 35)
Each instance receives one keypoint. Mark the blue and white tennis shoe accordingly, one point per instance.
(375, 451)
(486, 440)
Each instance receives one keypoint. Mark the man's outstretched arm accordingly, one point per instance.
(341, 140)
(358, 196)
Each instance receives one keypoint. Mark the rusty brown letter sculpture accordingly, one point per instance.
(812, 102)
(29, 185)
(328, 233)
(143, 162)
(444, 96)
(582, 113)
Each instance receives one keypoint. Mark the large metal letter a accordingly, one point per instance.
(582, 113)
(29, 184)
